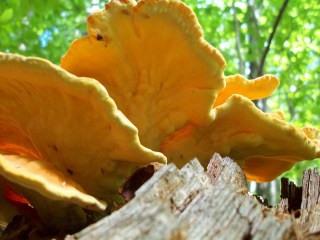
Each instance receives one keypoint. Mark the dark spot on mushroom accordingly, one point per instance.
(110, 128)
(181, 156)
(125, 12)
(99, 37)
(145, 16)
(54, 147)
(102, 171)
(70, 171)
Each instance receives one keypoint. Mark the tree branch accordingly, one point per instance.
(238, 44)
(274, 28)
(254, 34)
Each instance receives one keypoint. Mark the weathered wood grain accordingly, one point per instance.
(292, 193)
(192, 204)
(309, 221)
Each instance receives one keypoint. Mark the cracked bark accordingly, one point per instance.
(193, 204)
(310, 208)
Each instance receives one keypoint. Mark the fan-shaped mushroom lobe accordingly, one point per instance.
(153, 60)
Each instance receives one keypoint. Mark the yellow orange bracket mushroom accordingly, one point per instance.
(260, 87)
(264, 146)
(43, 177)
(66, 138)
(69, 121)
(152, 58)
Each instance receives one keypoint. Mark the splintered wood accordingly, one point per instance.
(193, 204)
(168, 203)
(309, 221)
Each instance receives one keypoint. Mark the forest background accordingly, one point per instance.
(255, 37)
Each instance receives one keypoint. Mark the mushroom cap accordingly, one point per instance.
(257, 88)
(68, 121)
(263, 145)
(153, 60)
(43, 177)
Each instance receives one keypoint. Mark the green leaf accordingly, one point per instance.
(6, 15)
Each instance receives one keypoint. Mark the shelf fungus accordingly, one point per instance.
(154, 62)
(143, 87)
(263, 144)
(165, 78)
(62, 136)
(254, 89)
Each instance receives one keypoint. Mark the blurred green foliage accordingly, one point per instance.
(46, 29)
(41, 28)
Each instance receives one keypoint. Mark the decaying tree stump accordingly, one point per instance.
(192, 203)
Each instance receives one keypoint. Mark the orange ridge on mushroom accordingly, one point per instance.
(166, 83)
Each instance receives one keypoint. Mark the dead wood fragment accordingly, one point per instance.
(226, 170)
(283, 206)
(224, 214)
(309, 220)
(187, 204)
(291, 192)
(311, 189)
(303, 204)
